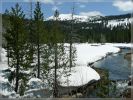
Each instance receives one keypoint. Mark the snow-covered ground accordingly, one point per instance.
(89, 53)
(82, 73)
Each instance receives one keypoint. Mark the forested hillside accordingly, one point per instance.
(116, 28)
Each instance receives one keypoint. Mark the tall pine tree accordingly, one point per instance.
(39, 30)
(16, 40)
(72, 50)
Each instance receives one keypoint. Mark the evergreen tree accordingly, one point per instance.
(31, 36)
(56, 15)
(102, 40)
(72, 50)
(16, 40)
(58, 54)
(39, 25)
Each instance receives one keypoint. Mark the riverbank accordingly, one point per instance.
(86, 91)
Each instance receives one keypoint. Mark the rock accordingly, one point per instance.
(128, 56)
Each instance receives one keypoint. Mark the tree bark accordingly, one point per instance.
(38, 51)
(38, 48)
(17, 65)
(55, 76)
(70, 54)
(17, 57)
(17, 74)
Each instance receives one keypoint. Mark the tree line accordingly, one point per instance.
(95, 32)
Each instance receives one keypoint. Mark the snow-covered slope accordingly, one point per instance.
(64, 17)
(120, 21)
(78, 18)
(93, 19)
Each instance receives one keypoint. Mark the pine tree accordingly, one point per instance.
(55, 57)
(38, 18)
(31, 36)
(60, 57)
(56, 15)
(16, 40)
(72, 50)
(102, 39)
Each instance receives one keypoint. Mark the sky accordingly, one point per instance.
(82, 7)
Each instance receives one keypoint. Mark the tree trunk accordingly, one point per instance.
(38, 51)
(17, 74)
(70, 37)
(55, 76)
(38, 48)
(70, 54)
(8, 54)
(31, 37)
(17, 65)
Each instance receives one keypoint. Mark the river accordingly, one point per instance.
(119, 68)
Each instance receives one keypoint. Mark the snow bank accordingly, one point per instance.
(34, 80)
(120, 45)
(35, 84)
(86, 53)
(80, 75)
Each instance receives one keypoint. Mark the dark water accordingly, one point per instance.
(118, 67)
